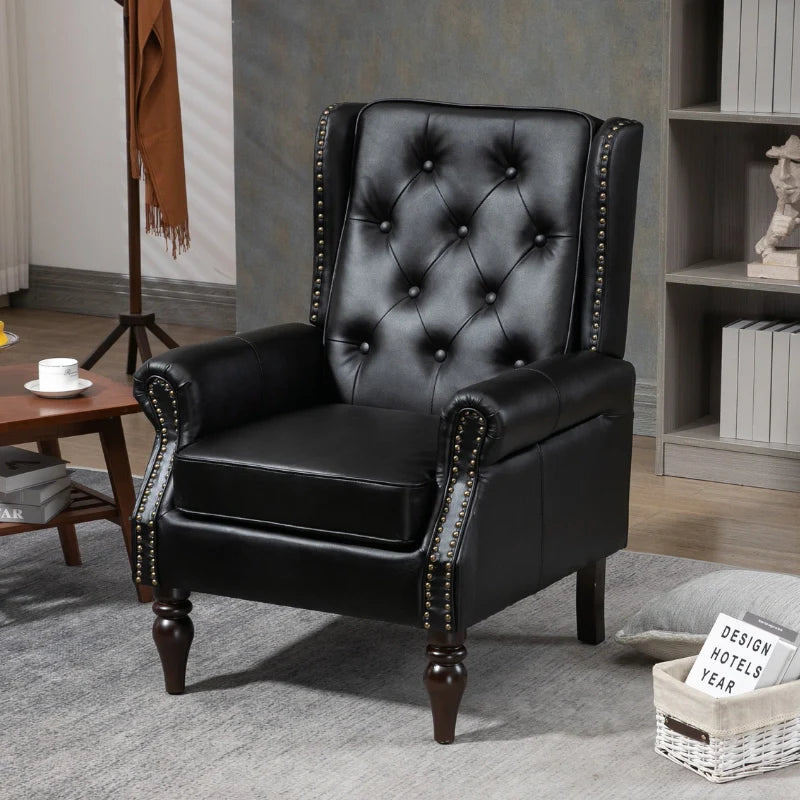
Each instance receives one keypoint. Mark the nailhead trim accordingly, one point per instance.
(319, 212)
(161, 395)
(438, 606)
(602, 206)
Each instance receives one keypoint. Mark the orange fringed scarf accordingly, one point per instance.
(156, 136)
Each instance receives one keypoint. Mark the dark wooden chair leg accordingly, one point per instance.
(590, 599)
(445, 679)
(173, 632)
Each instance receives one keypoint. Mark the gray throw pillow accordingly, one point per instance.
(675, 624)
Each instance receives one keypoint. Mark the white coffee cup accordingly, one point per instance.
(58, 374)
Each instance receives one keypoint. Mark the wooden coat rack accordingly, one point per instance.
(135, 322)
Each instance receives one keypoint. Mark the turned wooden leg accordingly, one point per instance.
(173, 632)
(590, 602)
(445, 679)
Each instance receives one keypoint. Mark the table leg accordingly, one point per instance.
(119, 474)
(66, 533)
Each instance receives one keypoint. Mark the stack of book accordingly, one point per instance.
(33, 487)
(743, 655)
(760, 381)
(761, 56)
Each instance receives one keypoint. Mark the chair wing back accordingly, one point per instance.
(460, 252)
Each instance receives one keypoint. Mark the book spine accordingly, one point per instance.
(36, 495)
(793, 401)
(784, 36)
(762, 385)
(744, 385)
(728, 382)
(30, 515)
(779, 393)
(765, 55)
(795, 87)
(748, 45)
(731, 24)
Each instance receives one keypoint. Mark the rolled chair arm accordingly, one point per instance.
(237, 379)
(193, 391)
(524, 406)
(493, 419)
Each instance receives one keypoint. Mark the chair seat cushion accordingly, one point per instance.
(338, 471)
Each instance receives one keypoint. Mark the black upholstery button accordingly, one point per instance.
(511, 172)
(385, 226)
(413, 291)
(364, 348)
(539, 239)
(490, 298)
(463, 231)
(440, 355)
(427, 166)
(519, 363)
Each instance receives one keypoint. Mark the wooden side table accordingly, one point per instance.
(27, 418)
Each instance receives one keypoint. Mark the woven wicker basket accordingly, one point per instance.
(723, 739)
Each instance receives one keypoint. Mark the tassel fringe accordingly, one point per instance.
(176, 235)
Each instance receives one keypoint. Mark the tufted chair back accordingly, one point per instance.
(473, 240)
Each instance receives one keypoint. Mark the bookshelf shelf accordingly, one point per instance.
(704, 432)
(710, 112)
(717, 201)
(729, 275)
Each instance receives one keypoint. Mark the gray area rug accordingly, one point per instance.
(285, 703)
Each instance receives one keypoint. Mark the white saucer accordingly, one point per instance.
(83, 385)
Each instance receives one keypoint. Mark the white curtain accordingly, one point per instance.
(14, 189)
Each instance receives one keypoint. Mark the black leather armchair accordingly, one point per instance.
(452, 432)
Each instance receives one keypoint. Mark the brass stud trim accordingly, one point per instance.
(468, 435)
(319, 189)
(153, 491)
(602, 196)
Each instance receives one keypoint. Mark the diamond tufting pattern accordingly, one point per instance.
(460, 249)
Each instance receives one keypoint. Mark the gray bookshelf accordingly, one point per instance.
(717, 200)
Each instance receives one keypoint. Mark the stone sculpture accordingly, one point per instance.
(777, 262)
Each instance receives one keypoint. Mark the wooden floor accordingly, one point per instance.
(740, 526)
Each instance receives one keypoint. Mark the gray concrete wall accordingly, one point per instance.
(293, 57)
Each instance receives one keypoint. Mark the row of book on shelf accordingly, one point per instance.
(34, 487)
(760, 381)
(761, 56)
(743, 655)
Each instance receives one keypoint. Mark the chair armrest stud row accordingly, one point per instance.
(439, 611)
(319, 213)
(164, 404)
(602, 204)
